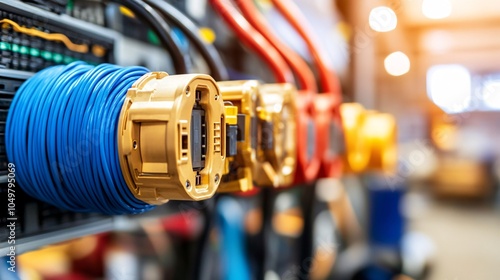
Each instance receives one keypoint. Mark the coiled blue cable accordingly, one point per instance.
(61, 133)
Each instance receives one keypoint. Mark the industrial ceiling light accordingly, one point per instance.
(491, 93)
(449, 87)
(383, 19)
(436, 9)
(397, 64)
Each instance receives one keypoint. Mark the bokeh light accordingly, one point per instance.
(397, 64)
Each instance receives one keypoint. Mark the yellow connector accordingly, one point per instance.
(277, 143)
(380, 130)
(171, 137)
(231, 114)
(357, 149)
(243, 96)
(370, 139)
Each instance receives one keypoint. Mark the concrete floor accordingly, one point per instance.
(466, 240)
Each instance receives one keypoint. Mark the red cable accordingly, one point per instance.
(304, 74)
(254, 40)
(308, 166)
(292, 13)
(326, 106)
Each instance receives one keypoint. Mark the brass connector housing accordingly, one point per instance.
(277, 158)
(166, 124)
(243, 95)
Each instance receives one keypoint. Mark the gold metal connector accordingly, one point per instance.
(243, 95)
(277, 143)
(171, 137)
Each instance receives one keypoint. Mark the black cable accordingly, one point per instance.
(149, 16)
(203, 243)
(306, 239)
(260, 253)
(217, 68)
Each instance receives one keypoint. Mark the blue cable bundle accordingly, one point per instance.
(61, 134)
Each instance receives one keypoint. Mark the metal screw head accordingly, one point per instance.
(217, 178)
(187, 90)
(134, 145)
(188, 185)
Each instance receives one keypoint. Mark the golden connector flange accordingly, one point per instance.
(171, 137)
(277, 143)
(243, 95)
